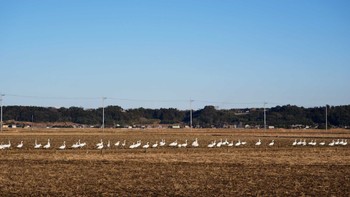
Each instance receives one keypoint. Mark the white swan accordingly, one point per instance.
(311, 142)
(238, 143)
(212, 144)
(304, 143)
(6, 145)
(132, 146)
(300, 142)
(108, 144)
(138, 144)
(20, 145)
(162, 143)
(36, 145)
(195, 143)
(117, 144)
(76, 145)
(345, 142)
(146, 146)
(100, 147)
(219, 144)
(295, 142)
(314, 143)
(337, 142)
(184, 144)
(225, 143)
(81, 145)
(272, 143)
(322, 143)
(63, 146)
(155, 145)
(100, 144)
(230, 144)
(48, 145)
(258, 143)
(332, 143)
(173, 144)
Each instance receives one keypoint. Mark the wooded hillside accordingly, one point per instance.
(287, 116)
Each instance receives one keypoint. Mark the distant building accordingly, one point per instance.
(175, 127)
(12, 126)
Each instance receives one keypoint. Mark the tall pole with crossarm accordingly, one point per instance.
(265, 116)
(1, 95)
(326, 119)
(191, 113)
(103, 113)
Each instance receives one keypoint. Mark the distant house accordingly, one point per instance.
(12, 126)
(175, 127)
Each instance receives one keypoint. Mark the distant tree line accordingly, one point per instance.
(280, 116)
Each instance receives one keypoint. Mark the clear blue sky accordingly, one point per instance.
(162, 53)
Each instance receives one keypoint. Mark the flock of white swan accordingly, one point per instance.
(175, 144)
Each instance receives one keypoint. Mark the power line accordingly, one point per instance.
(140, 100)
(146, 100)
(52, 97)
(227, 103)
(92, 98)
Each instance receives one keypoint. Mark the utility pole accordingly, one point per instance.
(326, 119)
(31, 128)
(265, 116)
(191, 113)
(1, 95)
(103, 113)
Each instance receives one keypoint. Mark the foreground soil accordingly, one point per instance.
(280, 170)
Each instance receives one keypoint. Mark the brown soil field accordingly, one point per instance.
(279, 170)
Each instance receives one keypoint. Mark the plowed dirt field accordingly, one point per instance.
(246, 170)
